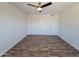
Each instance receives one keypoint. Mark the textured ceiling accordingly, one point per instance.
(55, 8)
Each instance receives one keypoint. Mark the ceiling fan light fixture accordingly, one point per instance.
(39, 9)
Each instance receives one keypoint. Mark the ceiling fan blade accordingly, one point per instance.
(47, 4)
(32, 5)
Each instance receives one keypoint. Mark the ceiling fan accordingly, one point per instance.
(39, 7)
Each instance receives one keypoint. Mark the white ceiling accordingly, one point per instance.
(55, 8)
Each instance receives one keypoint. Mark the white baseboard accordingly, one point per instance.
(69, 43)
(12, 46)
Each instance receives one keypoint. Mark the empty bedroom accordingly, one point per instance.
(39, 29)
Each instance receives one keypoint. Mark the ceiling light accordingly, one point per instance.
(39, 9)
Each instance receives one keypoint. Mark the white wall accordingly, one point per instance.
(43, 24)
(69, 26)
(12, 26)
